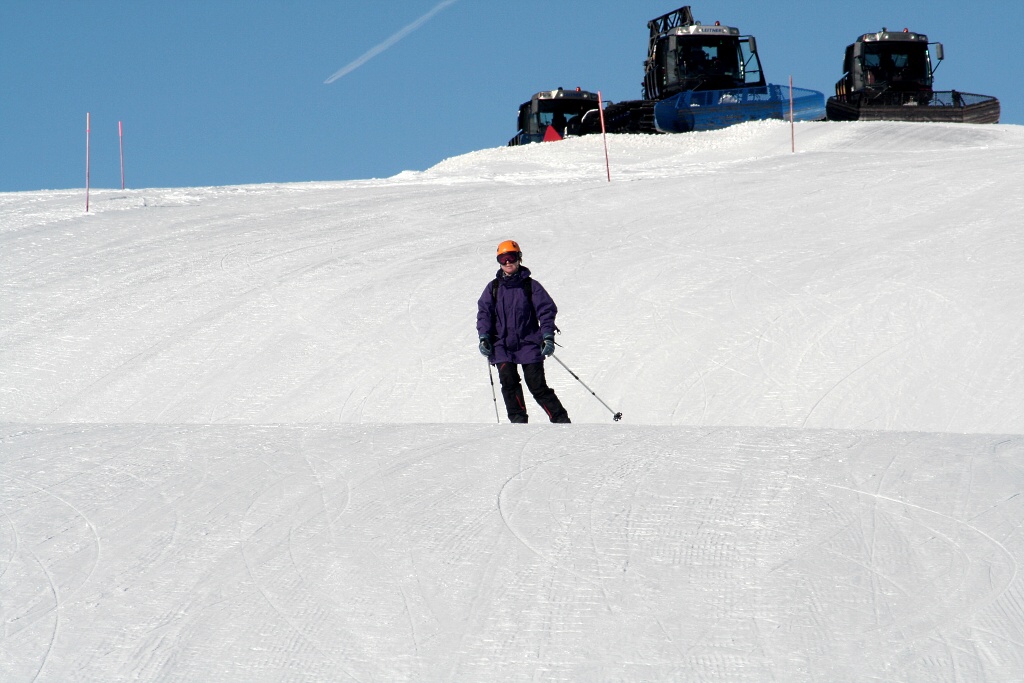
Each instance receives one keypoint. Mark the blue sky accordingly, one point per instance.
(228, 92)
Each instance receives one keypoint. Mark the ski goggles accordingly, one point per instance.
(508, 257)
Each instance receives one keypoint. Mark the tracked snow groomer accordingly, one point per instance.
(888, 77)
(704, 77)
(554, 114)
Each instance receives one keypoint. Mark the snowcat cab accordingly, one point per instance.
(704, 77)
(888, 75)
(892, 67)
(685, 56)
(553, 115)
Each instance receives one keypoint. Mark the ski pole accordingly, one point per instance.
(616, 416)
(491, 375)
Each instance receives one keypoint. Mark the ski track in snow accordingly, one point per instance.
(707, 537)
(244, 431)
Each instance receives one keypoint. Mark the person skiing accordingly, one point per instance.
(515, 322)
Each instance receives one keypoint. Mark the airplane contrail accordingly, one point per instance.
(377, 49)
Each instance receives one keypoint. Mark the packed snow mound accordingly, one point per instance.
(245, 433)
(660, 156)
(509, 553)
(870, 281)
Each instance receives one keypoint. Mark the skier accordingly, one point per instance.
(515, 321)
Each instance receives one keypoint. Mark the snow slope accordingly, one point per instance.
(245, 433)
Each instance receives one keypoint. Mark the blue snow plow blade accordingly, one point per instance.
(715, 109)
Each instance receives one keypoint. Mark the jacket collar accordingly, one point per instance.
(515, 279)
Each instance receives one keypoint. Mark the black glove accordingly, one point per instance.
(486, 349)
(548, 346)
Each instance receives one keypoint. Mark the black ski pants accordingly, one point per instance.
(512, 392)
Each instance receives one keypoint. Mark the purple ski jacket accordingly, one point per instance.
(515, 328)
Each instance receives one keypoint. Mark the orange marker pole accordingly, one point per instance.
(120, 142)
(87, 162)
(600, 109)
(792, 125)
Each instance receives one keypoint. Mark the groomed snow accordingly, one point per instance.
(245, 434)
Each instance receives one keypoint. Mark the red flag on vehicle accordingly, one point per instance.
(551, 135)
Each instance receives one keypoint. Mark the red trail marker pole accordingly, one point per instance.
(120, 142)
(87, 162)
(792, 125)
(604, 137)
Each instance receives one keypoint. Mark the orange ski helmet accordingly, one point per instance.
(509, 247)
